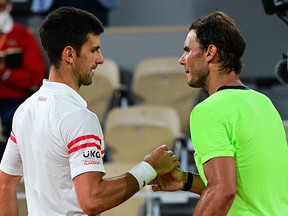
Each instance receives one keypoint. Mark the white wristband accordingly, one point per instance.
(144, 173)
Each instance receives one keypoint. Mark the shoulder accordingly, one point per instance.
(82, 114)
(81, 118)
(79, 123)
(208, 104)
(218, 104)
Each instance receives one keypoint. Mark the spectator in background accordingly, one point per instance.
(100, 8)
(22, 66)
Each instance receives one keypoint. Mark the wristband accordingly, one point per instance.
(144, 173)
(188, 183)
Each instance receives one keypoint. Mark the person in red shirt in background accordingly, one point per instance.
(22, 67)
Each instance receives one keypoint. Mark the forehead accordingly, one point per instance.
(191, 39)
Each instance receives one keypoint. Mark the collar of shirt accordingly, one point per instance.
(233, 87)
(57, 87)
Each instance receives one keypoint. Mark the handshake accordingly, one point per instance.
(11, 58)
(161, 170)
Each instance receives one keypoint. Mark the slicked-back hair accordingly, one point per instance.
(67, 26)
(220, 30)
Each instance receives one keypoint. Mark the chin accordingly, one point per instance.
(87, 82)
(195, 85)
(190, 83)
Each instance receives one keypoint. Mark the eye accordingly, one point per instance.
(96, 49)
(186, 49)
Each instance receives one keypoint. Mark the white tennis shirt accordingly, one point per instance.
(54, 138)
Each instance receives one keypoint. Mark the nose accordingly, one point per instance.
(182, 60)
(100, 58)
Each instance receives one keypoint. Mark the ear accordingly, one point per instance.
(211, 52)
(68, 55)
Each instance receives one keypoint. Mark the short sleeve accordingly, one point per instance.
(210, 134)
(11, 162)
(83, 136)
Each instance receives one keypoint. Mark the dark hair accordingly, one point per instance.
(67, 26)
(219, 29)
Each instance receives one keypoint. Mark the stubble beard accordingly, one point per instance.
(199, 83)
(86, 79)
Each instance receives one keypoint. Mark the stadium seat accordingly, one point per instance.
(135, 131)
(162, 81)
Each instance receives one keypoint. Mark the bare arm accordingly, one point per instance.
(8, 198)
(218, 196)
(175, 180)
(97, 195)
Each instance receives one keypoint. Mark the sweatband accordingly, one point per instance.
(144, 173)
(188, 183)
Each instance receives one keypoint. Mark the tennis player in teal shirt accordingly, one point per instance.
(240, 144)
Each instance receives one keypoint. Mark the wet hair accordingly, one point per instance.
(220, 30)
(67, 26)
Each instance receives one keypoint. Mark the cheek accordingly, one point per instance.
(191, 58)
(190, 62)
(197, 63)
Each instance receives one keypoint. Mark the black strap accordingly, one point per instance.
(188, 183)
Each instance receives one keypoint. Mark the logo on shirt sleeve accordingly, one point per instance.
(92, 154)
(88, 148)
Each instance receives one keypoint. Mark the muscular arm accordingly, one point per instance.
(197, 184)
(97, 195)
(218, 196)
(8, 198)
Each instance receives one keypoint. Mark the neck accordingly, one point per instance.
(219, 80)
(62, 77)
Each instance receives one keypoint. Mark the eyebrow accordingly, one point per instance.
(95, 47)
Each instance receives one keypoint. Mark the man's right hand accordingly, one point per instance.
(162, 160)
(171, 181)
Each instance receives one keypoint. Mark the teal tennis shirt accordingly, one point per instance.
(242, 123)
